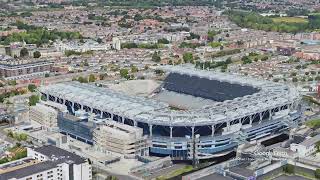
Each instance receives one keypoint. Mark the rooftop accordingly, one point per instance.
(311, 141)
(59, 154)
(28, 170)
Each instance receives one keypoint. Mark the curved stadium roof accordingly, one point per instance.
(265, 95)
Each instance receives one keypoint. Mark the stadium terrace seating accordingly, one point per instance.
(206, 88)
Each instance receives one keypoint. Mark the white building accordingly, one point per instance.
(307, 147)
(47, 162)
(116, 43)
(45, 115)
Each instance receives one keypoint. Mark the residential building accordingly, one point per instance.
(47, 162)
(90, 45)
(12, 69)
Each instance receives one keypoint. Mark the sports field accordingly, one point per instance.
(290, 20)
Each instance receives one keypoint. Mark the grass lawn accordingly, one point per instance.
(176, 173)
(290, 20)
(313, 123)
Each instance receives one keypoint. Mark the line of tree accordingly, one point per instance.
(190, 45)
(256, 21)
(130, 45)
(37, 35)
(226, 52)
(213, 64)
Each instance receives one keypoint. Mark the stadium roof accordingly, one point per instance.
(270, 95)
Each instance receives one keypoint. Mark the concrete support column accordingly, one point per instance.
(122, 119)
(250, 119)
(192, 130)
(47, 96)
(150, 129)
(228, 125)
(135, 124)
(64, 101)
(72, 106)
(171, 131)
(291, 106)
(111, 116)
(81, 106)
(55, 99)
(270, 114)
(91, 110)
(260, 116)
(101, 114)
(212, 130)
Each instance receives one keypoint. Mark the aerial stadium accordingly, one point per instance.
(214, 111)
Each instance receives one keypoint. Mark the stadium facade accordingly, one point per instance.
(241, 109)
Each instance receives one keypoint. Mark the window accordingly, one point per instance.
(39, 175)
(159, 146)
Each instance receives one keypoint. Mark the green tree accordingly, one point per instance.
(159, 72)
(318, 146)
(188, 57)
(156, 57)
(82, 79)
(12, 83)
(92, 78)
(317, 173)
(33, 100)
(264, 58)
(124, 73)
(99, 40)
(32, 87)
(36, 54)
(246, 60)
(288, 169)
(138, 17)
(22, 137)
(211, 35)
(163, 41)
(10, 134)
(134, 69)
(24, 52)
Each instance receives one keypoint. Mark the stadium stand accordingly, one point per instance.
(206, 88)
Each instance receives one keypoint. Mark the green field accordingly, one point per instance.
(176, 173)
(314, 124)
(290, 20)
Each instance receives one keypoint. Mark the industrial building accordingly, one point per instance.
(232, 109)
(121, 138)
(47, 162)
